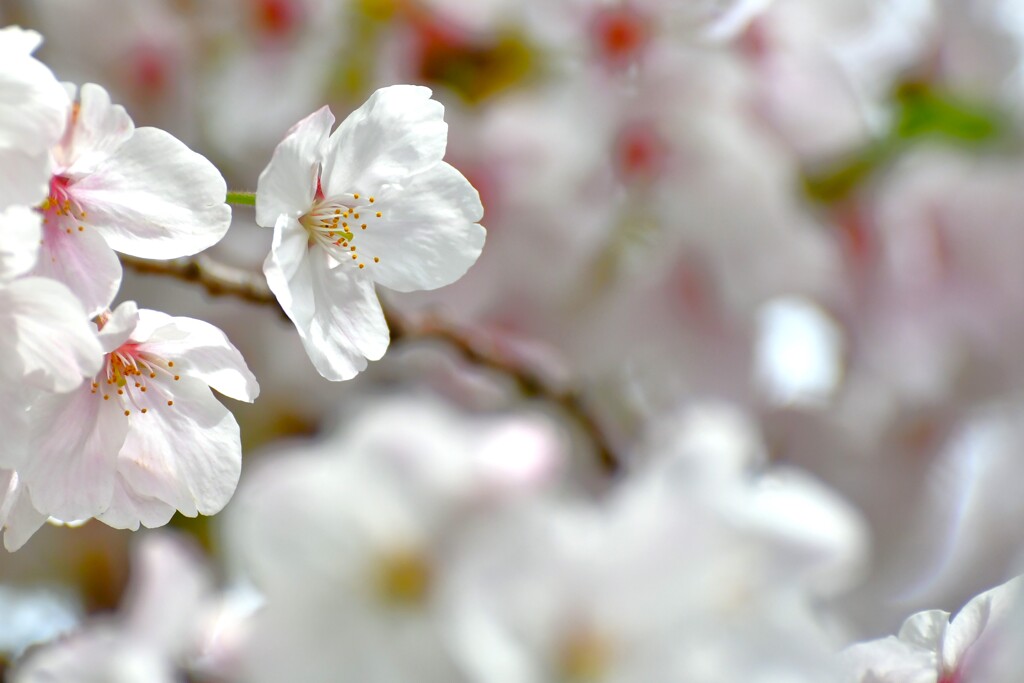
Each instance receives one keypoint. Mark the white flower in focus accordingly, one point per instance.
(33, 109)
(930, 648)
(372, 202)
(152, 637)
(117, 188)
(146, 437)
(47, 344)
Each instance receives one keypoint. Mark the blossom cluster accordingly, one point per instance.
(732, 393)
(109, 413)
(97, 403)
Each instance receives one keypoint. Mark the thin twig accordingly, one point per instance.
(219, 279)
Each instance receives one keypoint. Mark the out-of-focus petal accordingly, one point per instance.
(205, 349)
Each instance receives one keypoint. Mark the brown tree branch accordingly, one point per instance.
(219, 279)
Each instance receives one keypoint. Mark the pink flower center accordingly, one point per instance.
(640, 152)
(276, 19)
(620, 34)
(60, 210)
(136, 378)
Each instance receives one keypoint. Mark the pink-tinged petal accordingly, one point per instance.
(47, 333)
(18, 519)
(14, 403)
(96, 130)
(888, 660)
(348, 326)
(101, 652)
(287, 185)
(988, 611)
(119, 326)
(20, 231)
(24, 177)
(169, 593)
(127, 509)
(188, 454)
(76, 439)
(428, 235)
(398, 132)
(155, 198)
(33, 105)
(81, 260)
(287, 271)
(205, 351)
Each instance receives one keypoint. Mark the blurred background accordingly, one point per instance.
(810, 211)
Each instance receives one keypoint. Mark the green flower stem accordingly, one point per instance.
(242, 198)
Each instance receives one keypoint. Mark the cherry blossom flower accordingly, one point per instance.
(386, 498)
(371, 202)
(33, 109)
(931, 648)
(114, 188)
(146, 437)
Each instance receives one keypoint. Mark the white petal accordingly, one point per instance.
(48, 334)
(20, 231)
(128, 509)
(14, 403)
(18, 519)
(188, 455)
(348, 325)
(76, 439)
(82, 261)
(205, 350)
(981, 613)
(100, 653)
(925, 630)
(33, 105)
(155, 198)
(399, 131)
(428, 236)
(16, 41)
(287, 185)
(287, 271)
(169, 590)
(24, 176)
(888, 660)
(119, 326)
(96, 131)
